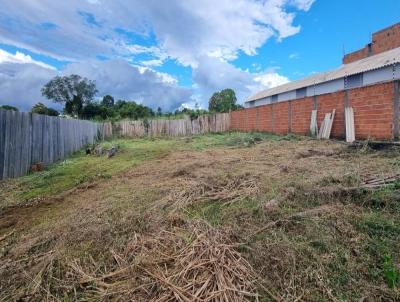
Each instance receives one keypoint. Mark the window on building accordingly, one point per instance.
(353, 81)
(274, 98)
(301, 93)
(252, 103)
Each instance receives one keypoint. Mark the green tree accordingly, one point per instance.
(40, 108)
(159, 111)
(92, 110)
(223, 101)
(108, 101)
(8, 107)
(133, 110)
(73, 91)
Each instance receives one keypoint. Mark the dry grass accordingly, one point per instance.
(169, 267)
(225, 189)
(293, 225)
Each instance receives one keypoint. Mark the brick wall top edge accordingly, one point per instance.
(324, 94)
(396, 25)
(381, 41)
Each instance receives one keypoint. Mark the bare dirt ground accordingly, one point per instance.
(281, 220)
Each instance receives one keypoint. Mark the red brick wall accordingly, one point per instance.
(301, 115)
(235, 120)
(281, 117)
(384, 40)
(242, 121)
(355, 56)
(325, 104)
(265, 117)
(373, 113)
(251, 117)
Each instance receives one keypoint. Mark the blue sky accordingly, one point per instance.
(169, 53)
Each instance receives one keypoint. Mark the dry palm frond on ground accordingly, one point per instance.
(202, 267)
(220, 188)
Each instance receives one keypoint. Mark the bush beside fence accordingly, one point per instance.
(27, 138)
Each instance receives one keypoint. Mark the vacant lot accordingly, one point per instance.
(238, 217)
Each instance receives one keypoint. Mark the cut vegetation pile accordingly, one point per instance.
(190, 262)
(224, 189)
(208, 218)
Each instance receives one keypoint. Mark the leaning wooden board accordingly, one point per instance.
(324, 125)
(313, 123)
(349, 118)
(329, 126)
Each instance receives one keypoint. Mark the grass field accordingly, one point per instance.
(249, 216)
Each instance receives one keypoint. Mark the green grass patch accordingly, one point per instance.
(379, 225)
(383, 231)
(232, 139)
(81, 168)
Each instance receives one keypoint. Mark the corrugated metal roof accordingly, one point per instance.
(374, 62)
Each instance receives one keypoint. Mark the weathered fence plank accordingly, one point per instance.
(219, 122)
(27, 138)
(2, 140)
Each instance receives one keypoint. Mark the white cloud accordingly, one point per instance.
(294, 56)
(124, 81)
(302, 4)
(164, 77)
(183, 30)
(152, 63)
(224, 75)
(157, 54)
(203, 34)
(20, 84)
(270, 79)
(20, 58)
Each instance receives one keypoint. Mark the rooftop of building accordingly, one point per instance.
(381, 60)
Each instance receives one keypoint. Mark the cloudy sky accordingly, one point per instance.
(169, 53)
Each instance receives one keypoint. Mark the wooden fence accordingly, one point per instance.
(27, 138)
(219, 122)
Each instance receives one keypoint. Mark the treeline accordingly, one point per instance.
(77, 94)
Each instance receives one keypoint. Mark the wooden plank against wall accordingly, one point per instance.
(313, 123)
(349, 120)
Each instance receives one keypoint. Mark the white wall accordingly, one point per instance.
(397, 72)
(378, 75)
(263, 101)
(369, 77)
(290, 95)
(328, 87)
